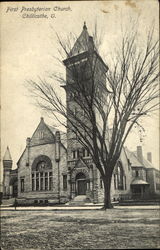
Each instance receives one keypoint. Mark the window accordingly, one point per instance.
(84, 152)
(137, 173)
(64, 182)
(50, 181)
(101, 182)
(125, 183)
(22, 185)
(80, 152)
(46, 181)
(115, 182)
(42, 178)
(119, 178)
(41, 181)
(74, 154)
(37, 181)
(87, 152)
(33, 186)
(41, 135)
(77, 153)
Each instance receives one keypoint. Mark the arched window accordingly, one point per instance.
(42, 178)
(119, 177)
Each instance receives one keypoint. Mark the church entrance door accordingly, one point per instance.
(82, 187)
(81, 184)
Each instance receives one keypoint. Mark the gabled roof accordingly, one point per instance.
(7, 155)
(132, 156)
(50, 133)
(42, 135)
(146, 163)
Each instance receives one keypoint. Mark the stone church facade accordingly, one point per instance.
(44, 175)
(41, 169)
(55, 168)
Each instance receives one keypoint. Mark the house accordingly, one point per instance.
(145, 181)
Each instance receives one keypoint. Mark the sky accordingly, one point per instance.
(28, 48)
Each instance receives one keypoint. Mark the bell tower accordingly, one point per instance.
(83, 66)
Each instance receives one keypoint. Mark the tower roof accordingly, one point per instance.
(7, 155)
(82, 43)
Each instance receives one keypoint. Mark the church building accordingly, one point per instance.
(55, 168)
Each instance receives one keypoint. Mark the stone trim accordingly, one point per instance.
(77, 171)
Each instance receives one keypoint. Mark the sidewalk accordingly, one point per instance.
(52, 208)
(72, 208)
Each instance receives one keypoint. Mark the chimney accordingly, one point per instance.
(149, 157)
(139, 154)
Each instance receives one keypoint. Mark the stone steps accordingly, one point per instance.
(78, 200)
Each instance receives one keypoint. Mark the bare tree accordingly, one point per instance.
(120, 93)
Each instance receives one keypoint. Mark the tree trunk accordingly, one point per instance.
(107, 192)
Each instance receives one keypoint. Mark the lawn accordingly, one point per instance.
(112, 229)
